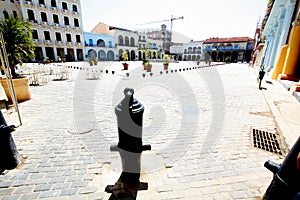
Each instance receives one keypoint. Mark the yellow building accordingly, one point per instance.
(57, 26)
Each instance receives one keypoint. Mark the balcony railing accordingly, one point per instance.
(94, 45)
(48, 41)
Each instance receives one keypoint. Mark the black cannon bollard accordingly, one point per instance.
(285, 184)
(130, 146)
(9, 156)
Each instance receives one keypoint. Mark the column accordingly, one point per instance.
(55, 53)
(75, 54)
(23, 10)
(292, 56)
(280, 62)
(285, 25)
(268, 50)
(275, 45)
(44, 51)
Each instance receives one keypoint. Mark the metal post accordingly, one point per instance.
(130, 147)
(5, 64)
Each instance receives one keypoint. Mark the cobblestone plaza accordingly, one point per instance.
(198, 121)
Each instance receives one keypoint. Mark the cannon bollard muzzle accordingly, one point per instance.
(273, 167)
(285, 183)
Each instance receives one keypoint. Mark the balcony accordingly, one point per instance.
(48, 41)
(59, 42)
(42, 5)
(28, 2)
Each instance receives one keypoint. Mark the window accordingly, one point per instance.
(47, 35)
(58, 36)
(35, 34)
(66, 19)
(42, 2)
(15, 14)
(78, 39)
(5, 14)
(30, 14)
(53, 3)
(64, 5)
(69, 39)
(74, 8)
(55, 19)
(76, 22)
(12, 1)
(90, 42)
(44, 16)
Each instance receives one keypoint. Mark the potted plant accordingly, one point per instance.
(166, 61)
(144, 64)
(125, 58)
(19, 46)
(91, 61)
(148, 66)
(95, 61)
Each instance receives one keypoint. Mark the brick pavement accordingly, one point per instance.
(198, 122)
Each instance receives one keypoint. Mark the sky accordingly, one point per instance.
(203, 19)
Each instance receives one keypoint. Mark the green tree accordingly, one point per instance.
(18, 41)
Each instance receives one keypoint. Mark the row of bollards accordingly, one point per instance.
(129, 114)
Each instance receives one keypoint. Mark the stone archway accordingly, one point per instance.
(234, 56)
(154, 55)
(132, 55)
(227, 57)
(214, 56)
(144, 55)
(120, 54)
(102, 55)
(220, 57)
(92, 53)
(110, 55)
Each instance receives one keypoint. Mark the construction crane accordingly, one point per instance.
(166, 20)
(171, 19)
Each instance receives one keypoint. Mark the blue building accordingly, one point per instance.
(100, 46)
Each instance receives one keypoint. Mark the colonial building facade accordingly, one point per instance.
(192, 51)
(281, 40)
(149, 48)
(126, 40)
(228, 49)
(57, 26)
(100, 46)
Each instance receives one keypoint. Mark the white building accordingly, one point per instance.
(57, 26)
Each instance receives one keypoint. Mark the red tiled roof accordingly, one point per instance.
(227, 40)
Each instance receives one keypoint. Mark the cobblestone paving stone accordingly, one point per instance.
(68, 128)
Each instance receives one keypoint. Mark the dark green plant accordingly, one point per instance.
(18, 41)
